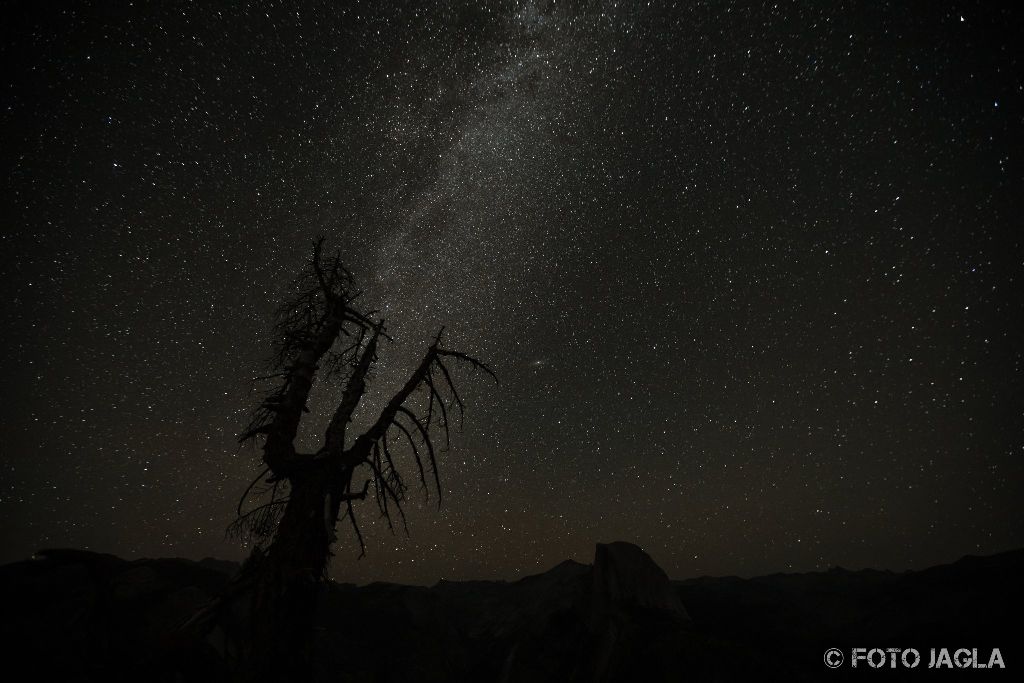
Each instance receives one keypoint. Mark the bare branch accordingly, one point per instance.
(430, 449)
(385, 492)
(435, 395)
(416, 455)
(248, 488)
(355, 527)
(356, 496)
(454, 392)
(469, 359)
(325, 287)
(334, 439)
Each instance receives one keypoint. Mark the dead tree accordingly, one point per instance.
(323, 335)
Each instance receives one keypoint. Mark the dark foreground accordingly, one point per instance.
(79, 616)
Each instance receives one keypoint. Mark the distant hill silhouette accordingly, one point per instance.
(81, 616)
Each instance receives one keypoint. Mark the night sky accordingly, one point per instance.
(749, 274)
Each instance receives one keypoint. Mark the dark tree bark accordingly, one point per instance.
(269, 610)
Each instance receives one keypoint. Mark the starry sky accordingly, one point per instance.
(749, 273)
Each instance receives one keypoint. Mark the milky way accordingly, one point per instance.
(748, 274)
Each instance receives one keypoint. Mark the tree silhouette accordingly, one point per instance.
(322, 334)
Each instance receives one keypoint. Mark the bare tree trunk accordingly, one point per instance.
(280, 588)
